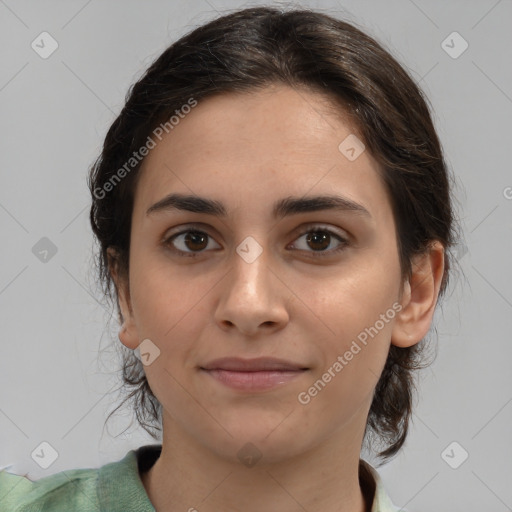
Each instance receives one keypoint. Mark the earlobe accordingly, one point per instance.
(419, 297)
(128, 335)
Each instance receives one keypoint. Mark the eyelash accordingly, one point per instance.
(317, 229)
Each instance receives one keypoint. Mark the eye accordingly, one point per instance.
(320, 239)
(191, 242)
(196, 241)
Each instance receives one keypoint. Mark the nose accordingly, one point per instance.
(253, 298)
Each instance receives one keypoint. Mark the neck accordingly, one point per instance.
(188, 476)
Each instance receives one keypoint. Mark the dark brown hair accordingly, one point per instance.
(251, 49)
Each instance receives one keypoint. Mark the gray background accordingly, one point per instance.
(58, 375)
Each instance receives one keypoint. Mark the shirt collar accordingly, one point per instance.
(372, 482)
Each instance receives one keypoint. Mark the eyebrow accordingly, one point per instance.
(282, 208)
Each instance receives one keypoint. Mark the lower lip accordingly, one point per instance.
(254, 381)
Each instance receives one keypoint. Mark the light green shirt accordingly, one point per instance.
(117, 487)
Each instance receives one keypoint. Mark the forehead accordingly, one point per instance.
(254, 145)
(278, 117)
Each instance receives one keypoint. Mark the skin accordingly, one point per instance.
(247, 151)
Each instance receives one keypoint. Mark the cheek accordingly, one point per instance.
(351, 364)
(161, 297)
(170, 310)
(356, 316)
(358, 298)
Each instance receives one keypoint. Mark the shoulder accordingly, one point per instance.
(68, 490)
(115, 487)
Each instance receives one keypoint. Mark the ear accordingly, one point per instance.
(128, 334)
(419, 297)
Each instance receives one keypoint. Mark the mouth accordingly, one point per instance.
(253, 374)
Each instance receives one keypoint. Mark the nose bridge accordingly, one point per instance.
(251, 265)
(251, 295)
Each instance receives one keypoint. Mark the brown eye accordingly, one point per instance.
(318, 240)
(195, 240)
(188, 242)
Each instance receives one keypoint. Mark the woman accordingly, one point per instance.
(273, 212)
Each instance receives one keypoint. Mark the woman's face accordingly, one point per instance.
(248, 284)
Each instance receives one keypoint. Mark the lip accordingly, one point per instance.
(253, 374)
(237, 364)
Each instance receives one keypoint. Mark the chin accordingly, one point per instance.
(251, 444)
